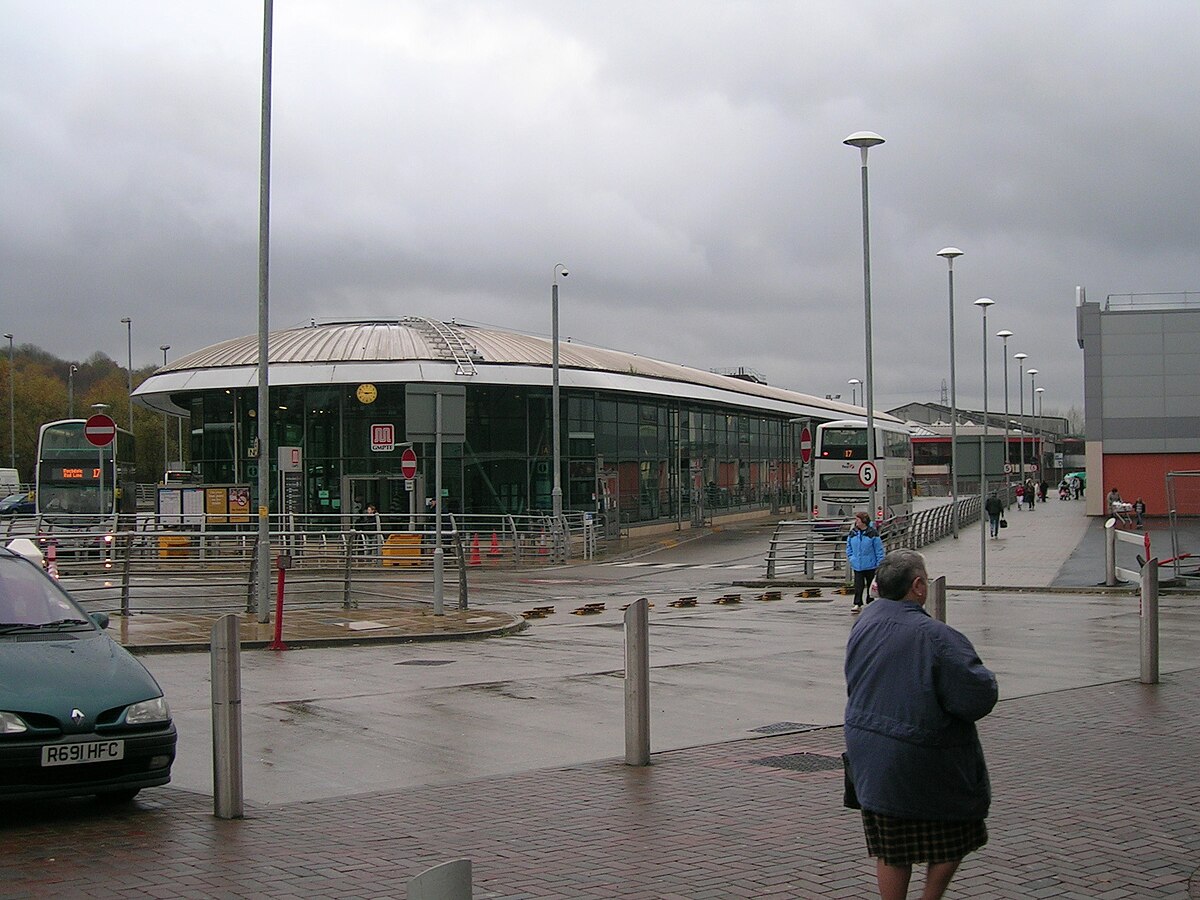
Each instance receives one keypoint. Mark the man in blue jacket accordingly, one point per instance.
(915, 688)
(864, 553)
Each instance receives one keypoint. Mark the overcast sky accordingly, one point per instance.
(683, 159)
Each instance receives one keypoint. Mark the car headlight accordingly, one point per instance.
(11, 723)
(148, 711)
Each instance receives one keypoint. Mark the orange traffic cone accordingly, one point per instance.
(543, 550)
(494, 551)
(475, 560)
(52, 559)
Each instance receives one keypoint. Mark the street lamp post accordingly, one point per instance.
(556, 491)
(1004, 336)
(1033, 450)
(128, 323)
(983, 303)
(1020, 358)
(865, 140)
(1041, 428)
(950, 254)
(854, 383)
(166, 453)
(12, 431)
(71, 370)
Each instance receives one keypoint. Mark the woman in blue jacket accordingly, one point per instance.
(864, 552)
(915, 689)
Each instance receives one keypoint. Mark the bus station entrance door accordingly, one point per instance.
(387, 493)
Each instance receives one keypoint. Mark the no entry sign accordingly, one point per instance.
(100, 430)
(408, 463)
(805, 444)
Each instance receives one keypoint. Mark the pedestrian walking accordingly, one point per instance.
(864, 553)
(1139, 510)
(1020, 491)
(1043, 491)
(994, 507)
(915, 688)
(1030, 493)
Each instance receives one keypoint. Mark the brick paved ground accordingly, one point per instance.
(1097, 796)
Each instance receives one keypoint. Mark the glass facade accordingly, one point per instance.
(640, 458)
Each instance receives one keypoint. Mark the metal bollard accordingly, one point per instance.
(1148, 622)
(447, 881)
(227, 718)
(937, 598)
(637, 683)
(1110, 552)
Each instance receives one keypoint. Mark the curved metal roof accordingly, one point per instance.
(420, 349)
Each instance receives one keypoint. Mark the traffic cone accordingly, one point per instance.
(543, 550)
(475, 560)
(52, 559)
(494, 550)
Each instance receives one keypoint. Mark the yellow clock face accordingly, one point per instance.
(367, 393)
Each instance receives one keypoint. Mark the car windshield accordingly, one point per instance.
(30, 599)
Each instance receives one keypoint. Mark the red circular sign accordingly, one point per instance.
(100, 430)
(408, 463)
(805, 444)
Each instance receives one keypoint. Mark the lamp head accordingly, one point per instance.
(560, 269)
(8, 335)
(863, 139)
(126, 320)
(164, 347)
(1021, 356)
(1040, 390)
(1004, 335)
(854, 381)
(984, 302)
(1031, 371)
(949, 253)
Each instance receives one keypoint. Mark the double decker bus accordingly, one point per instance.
(841, 449)
(79, 484)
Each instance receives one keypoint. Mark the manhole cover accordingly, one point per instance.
(801, 762)
(781, 727)
(425, 662)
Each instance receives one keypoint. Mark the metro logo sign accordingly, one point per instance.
(383, 438)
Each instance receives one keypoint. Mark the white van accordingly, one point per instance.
(10, 483)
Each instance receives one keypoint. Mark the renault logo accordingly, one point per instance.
(77, 716)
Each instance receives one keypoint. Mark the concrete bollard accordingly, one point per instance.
(937, 598)
(227, 719)
(447, 881)
(637, 683)
(1148, 623)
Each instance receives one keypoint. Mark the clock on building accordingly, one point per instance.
(366, 393)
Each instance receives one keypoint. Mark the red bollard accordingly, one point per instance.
(282, 564)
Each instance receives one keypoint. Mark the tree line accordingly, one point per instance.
(44, 389)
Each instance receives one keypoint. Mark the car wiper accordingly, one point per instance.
(64, 623)
(10, 627)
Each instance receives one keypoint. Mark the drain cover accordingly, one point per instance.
(425, 662)
(781, 727)
(801, 762)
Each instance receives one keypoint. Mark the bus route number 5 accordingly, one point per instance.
(868, 474)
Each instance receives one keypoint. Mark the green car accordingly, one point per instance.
(78, 714)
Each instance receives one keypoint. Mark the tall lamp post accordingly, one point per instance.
(556, 491)
(1004, 336)
(166, 453)
(950, 254)
(71, 370)
(128, 323)
(12, 431)
(1033, 450)
(983, 303)
(864, 141)
(1041, 428)
(1020, 358)
(854, 383)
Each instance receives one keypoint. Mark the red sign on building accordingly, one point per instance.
(383, 438)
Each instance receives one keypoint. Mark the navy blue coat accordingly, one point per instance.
(915, 688)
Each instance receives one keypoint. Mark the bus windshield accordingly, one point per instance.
(76, 478)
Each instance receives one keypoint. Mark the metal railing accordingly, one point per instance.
(811, 546)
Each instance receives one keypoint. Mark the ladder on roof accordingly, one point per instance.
(448, 342)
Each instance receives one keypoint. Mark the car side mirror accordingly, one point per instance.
(100, 618)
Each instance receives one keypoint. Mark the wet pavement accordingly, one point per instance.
(367, 762)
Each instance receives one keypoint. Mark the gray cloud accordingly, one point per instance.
(684, 159)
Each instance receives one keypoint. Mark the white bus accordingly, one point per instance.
(840, 451)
